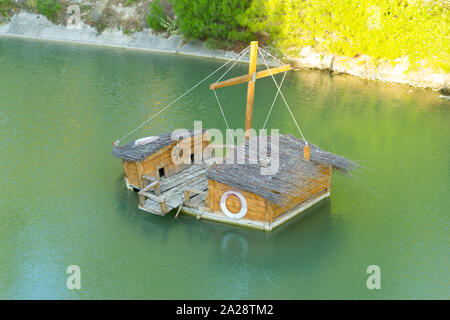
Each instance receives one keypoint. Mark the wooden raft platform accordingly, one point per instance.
(162, 195)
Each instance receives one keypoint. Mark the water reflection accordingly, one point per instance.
(64, 201)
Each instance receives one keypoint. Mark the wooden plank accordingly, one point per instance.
(141, 200)
(149, 178)
(196, 202)
(198, 182)
(163, 207)
(247, 78)
(173, 189)
(175, 196)
(184, 176)
(310, 193)
(209, 203)
(307, 152)
(154, 207)
(256, 205)
(251, 88)
(131, 173)
(140, 170)
(151, 196)
(269, 212)
(152, 185)
(196, 191)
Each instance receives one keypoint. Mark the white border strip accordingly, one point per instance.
(261, 225)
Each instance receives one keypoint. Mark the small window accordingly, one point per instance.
(161, 172)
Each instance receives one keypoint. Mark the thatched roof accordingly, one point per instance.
(133, 153)
(293, 176)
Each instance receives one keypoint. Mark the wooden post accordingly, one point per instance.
(163, 206)
(306, 152)
(157, 190)
(140, 170)
(250, 78)
(187, 196)
(251, 87)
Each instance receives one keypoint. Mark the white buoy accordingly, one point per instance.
(146, 140)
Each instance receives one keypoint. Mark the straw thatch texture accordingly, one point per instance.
(294, 174)
(132, 153)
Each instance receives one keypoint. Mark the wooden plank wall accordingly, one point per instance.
(131, 172)
(157, 160)
(323, 183)
(256, 204)
(260, 209)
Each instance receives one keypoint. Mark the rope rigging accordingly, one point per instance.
(243, 53)
(282, 96)
(236, 59)
(117, 142)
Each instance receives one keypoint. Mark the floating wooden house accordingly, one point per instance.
(152, 157)
(244, 193)
(265, 187)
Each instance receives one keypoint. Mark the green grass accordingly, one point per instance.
(156, 15)
(381, 29)
(6, 7)
(385, 30)
(216, 21)
(49, 8)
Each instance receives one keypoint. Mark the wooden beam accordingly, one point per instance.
(151, 196)
(151, 186)
(251, 87)
(149, 178)
(187, 196)
(247, 78)
(306, 152)
(163, 206)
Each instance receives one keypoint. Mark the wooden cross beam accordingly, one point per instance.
(247, 78)
(250, 78)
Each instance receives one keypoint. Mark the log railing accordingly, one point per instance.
(187, 196)
(144, 193)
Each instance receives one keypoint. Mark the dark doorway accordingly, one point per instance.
(161, 172)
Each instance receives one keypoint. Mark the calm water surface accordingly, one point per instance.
(63, 200)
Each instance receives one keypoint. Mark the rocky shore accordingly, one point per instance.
(113, 23)
(34, 26)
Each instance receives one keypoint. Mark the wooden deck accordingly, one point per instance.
(188, 191)
(161, 196)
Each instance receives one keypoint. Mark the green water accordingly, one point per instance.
(63, 201)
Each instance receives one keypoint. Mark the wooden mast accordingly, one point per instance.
(250, 78)
(251, 87)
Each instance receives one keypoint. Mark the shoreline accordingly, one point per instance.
(37, 27)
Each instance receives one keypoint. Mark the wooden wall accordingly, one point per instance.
(160, 159)
(260, 209)
(256, 204)
(321, 184)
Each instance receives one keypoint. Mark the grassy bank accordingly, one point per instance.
(384, 30)
(381, 29)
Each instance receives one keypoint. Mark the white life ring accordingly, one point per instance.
(228, 213)
(146, 140)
